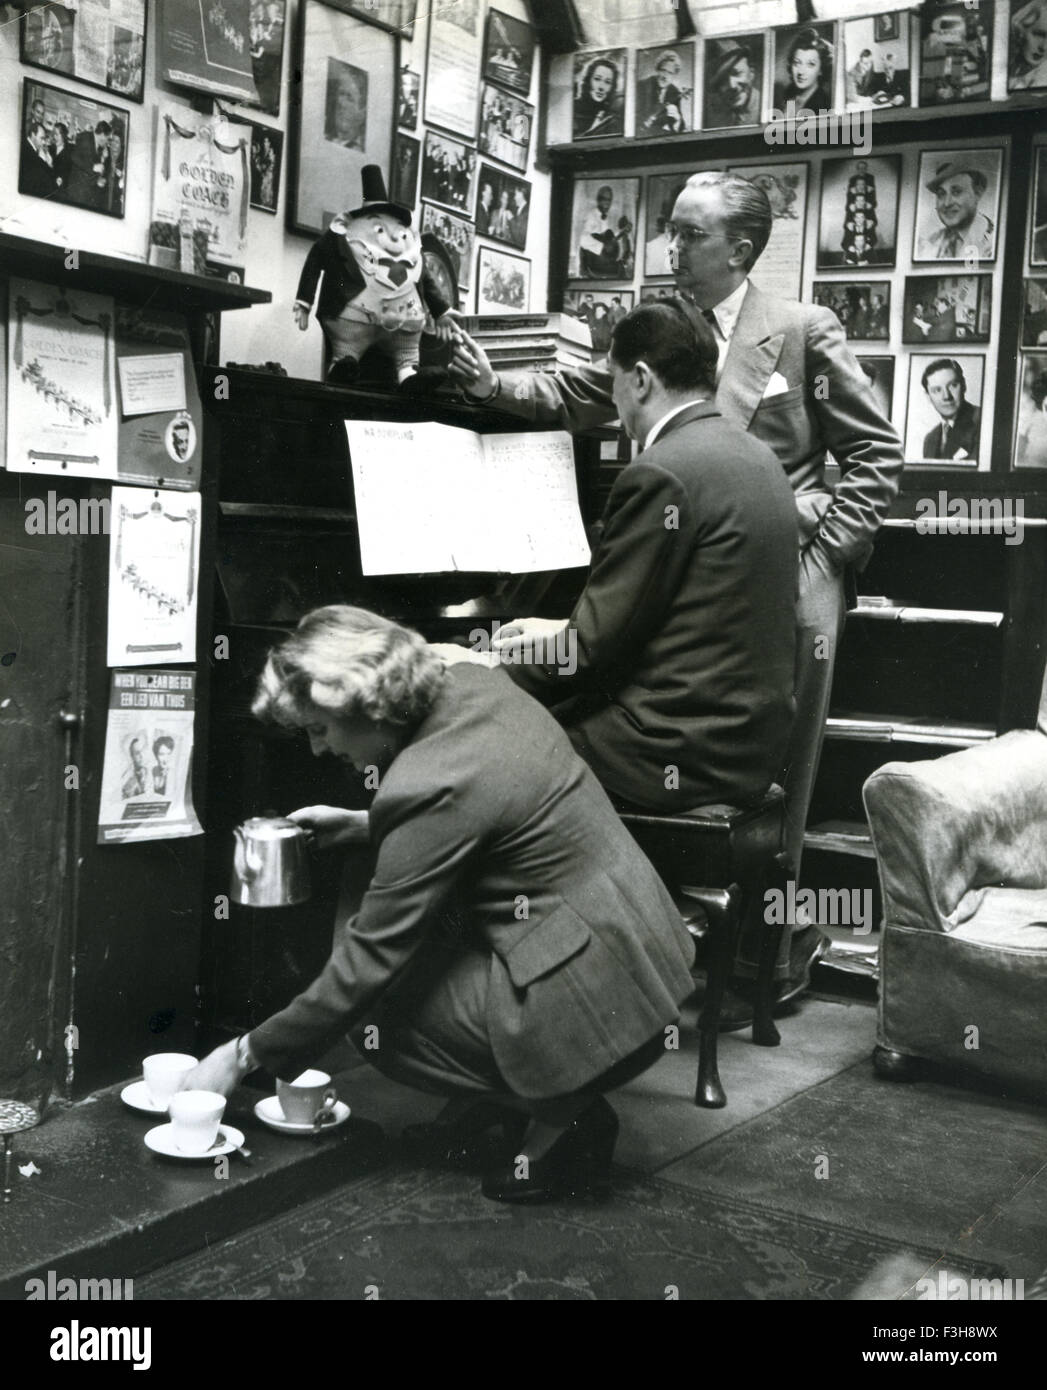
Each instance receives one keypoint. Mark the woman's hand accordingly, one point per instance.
(219, 1071)
(470, 366)
(447, 325)
(328, 826)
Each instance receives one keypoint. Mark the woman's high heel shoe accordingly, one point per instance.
(579, 1162)
(463, 1140)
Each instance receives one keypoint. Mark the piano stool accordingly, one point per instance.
(723, 858)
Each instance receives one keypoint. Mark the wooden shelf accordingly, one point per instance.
(906, 728)
(130, 282)
(841, 837)
(887, 610)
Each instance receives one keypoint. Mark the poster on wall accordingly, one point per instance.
(147, 771)
(778, 271)
(154, 561)
(208, 47)
(201, 194)
(161, 420)
(100, 42)
(452, 78)
(61, 387)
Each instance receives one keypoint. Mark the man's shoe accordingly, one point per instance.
(805, 950)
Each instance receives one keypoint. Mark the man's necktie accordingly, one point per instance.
(709, 315)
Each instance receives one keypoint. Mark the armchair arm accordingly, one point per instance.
(943, 827)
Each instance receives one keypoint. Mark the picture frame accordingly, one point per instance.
(345, 113)
(880, 373)
(876, 70)
(957, 205)
(506, 215)
(64, 158)
(268, 31)
(503, 282)
(1034, 313)
(1030, 418)
(1038, 210)
(601, 311)
(661, 193)
(733, 80)
(780, 268)
(407, 99)
(956, 43)
(656, 294)
(506, 123)
(947, 309)
(207, 48)
(448, 172)
(599, 207)
(456, 234)
(923, 426)
(598, 101)
(403, 179)
(1026, 59)
(664, 90)
(862, 306)
(395, 16)
(508, 53)
(54, 38)
(858, 212)
(452, 67)
(267, 157)
(804, 68)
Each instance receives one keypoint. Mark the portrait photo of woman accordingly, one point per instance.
(1027, 66)
(599, 95)
(804, 70)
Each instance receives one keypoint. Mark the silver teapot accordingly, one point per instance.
(270, 863)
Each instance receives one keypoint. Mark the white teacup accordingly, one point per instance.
(306, 1096)
(163, 1073)
(195, 1117)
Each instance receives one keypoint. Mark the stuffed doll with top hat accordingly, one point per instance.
(376, 291)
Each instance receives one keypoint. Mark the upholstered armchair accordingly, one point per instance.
(961, 844)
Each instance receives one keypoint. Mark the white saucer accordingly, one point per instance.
(138, 1097)
(161, 1141)
(270, 1113)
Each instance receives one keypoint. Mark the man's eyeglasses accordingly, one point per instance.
(692, 236)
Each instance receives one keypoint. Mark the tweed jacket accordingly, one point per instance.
(488, 817)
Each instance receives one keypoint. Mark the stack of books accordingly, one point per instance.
(544, 342)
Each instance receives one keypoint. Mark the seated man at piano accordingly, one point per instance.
(678, 690)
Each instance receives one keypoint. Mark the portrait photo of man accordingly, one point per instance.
(345, 105)
(945, 417)
(733, 81)
(960, 215)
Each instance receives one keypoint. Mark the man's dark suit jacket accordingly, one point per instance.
(965, 434)
(83, 181)
(485, 807)
(686, 626)
(331, 257)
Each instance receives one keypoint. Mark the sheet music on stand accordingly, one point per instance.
(431, 498)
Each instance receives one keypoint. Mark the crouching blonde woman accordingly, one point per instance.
(515, 948)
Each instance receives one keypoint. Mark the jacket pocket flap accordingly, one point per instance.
(555, 940)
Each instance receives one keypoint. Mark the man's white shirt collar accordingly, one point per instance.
(727, 311)
(657, 428)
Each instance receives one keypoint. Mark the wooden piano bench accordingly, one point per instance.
(724, 858)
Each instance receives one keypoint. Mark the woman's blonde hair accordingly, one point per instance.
(349, 662)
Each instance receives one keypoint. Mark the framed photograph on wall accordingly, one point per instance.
(733, 86)
(875, 68)
(403, 182)
(268, 26)
(947, 309)
(957, 205)
(267, 157)
(664, 79)
(452, 73)
(603, 223)
(458, 236)
(955, 51)
(407, 102)
(398, 16)
(598, 109)
(503, 282)
(601, 311)
(448, 172)
(862, 306)
(780, 269)
(1030, 433)
(658, 294)
(73, 149)
(503, 207)
(505, 127)
(508, 52)
(1038, 211)
(880, 374)
(102, 46)
(1034, 314)
(858, 218)
(662, 192)
(804, 68)
(1027, 54)
(346, 114)
(944, 420)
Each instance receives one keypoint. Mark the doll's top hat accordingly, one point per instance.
(376, 199)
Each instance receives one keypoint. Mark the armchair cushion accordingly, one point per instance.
(949, 826)
(1004, 917)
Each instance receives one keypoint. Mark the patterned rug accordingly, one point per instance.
(410, 1234)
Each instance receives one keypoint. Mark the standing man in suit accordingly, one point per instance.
(786, 375)
(958, 435)
(89, 167)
